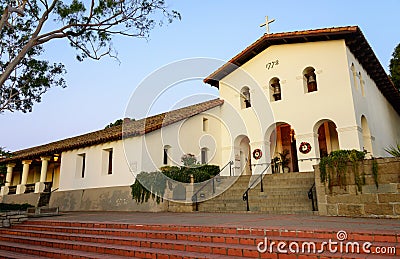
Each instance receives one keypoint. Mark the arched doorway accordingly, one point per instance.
(328, 139)
(283, 147)
(366, 136)
(242, 155)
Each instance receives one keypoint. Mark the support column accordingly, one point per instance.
(24, 178)
(306, 161)
(40, 186)
(10, 168)
(5, 189)
(350, 137)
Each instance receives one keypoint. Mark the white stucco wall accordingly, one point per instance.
(95, 176)
(303, 111)
(184, 137)
(142, 153)
(383, 120)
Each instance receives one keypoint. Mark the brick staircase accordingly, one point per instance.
(61, 239)
(283, 194)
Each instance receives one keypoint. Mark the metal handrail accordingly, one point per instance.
(312, 197)
(246, 193)
(194, 196)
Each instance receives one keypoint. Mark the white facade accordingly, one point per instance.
(133, 155)
(314, 93)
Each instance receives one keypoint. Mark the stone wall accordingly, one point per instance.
(30, 198)
(110, 199)
(11, 218)
(371, 201)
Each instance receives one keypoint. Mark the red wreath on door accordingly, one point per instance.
(305, 147)
(257, 153)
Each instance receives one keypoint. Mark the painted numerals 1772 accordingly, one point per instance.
(271, 64)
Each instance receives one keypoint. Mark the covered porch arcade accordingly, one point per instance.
(34, 175)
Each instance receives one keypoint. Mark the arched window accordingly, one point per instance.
(367, 138)
(310, 80)
(245, 101)
(361, 84)
(275, 89)
(204, 155)
(354, 72)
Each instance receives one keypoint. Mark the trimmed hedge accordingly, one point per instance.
(10, 206)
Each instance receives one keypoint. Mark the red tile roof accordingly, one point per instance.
(130, 129)
(353, 37)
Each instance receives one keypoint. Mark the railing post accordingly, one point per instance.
(195, 202)
(246, 198)
(311, 196)
(230, 168)
(213, 185)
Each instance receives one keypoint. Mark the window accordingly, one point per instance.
(80, 165)
(275, 89)
(361, 84)
(354, 72)
(310, 80)
(110, 161)
(165, 154)
(204, 155)
(245, 101)
(205, 124)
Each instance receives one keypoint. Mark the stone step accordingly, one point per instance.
(169, 241)
(20, 251)
(4, 254)
(144, 249)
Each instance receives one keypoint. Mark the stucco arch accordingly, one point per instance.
(328, 139)
(242, 155)
(367, 138)
(281, 137)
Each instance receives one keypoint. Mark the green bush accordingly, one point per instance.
(10, 207)
(157, 180)
(394, 150)
(333, 168)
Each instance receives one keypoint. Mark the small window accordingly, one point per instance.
(204, 155)
(81, 164)
(275, 89)
(110, 161)
(205, 124)
(361, 84)
(310, 80)
(165, 155)
(354, 72)
(245, 101)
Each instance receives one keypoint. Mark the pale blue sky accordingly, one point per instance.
(98, 92)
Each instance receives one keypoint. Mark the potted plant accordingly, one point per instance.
(285, 160)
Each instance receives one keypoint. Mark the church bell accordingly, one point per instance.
(277, 89)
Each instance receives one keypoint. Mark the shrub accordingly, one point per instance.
(10, 206)
(394, 150)
(334, 168)
(156, 181)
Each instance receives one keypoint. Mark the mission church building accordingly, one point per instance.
(306, 93)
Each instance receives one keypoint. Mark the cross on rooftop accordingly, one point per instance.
(266, 24)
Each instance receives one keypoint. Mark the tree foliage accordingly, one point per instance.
(394, 67)
(88, 26)
(118, 122)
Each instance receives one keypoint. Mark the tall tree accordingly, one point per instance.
(394, 67)
(88, 26)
